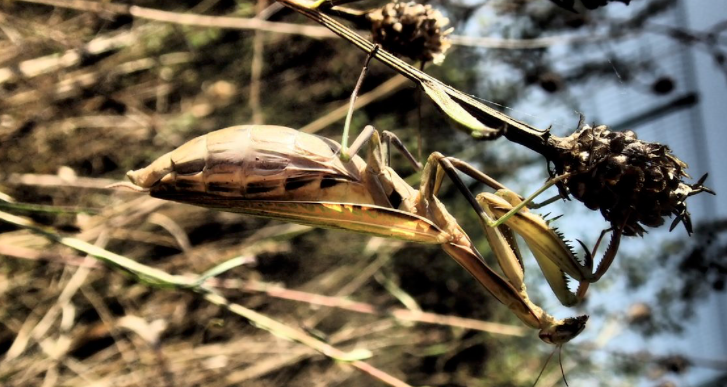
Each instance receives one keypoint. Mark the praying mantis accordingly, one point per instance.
(281, 173)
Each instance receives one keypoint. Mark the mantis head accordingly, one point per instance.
(562, 331)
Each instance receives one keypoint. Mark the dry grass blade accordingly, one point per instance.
(160, 278)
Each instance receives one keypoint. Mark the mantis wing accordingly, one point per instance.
(363, 218)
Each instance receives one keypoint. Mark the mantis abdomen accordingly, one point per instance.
(256, 162)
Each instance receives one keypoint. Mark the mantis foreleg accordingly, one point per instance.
(511, 292)
(553, 255)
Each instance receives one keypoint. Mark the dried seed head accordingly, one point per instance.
(632, 182)
(412, 30)
(676, 364)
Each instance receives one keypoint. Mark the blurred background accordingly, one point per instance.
(89, 91)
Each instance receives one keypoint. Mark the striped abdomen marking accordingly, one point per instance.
(255, 163)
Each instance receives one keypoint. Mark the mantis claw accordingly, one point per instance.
(554, 256)
(588, 259)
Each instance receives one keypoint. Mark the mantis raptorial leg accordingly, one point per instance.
(552, 254)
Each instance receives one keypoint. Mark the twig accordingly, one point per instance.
(188, 19)
(481, 121)
(70, 289)
(127, 352)
(260, 368)
(280, 292)
(50, 209)
(41, 328)
(129, 265)
(268, 324)
(358, 275)
(176, 231)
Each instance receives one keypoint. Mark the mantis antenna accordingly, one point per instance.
(560, 361)
(542, 369)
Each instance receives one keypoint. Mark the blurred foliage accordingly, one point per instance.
(702, 270)
(588, 4)
(114, 109)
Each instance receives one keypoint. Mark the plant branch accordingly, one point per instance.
(480, 120)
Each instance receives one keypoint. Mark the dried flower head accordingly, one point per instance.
(412, 30)
(632, 182)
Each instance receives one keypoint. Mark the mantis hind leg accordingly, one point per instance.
(389, 139)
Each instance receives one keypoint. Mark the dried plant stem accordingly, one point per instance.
(282, 293)
(35, 255)
(187, 18)
(315, 32)
(161, 278)
(58, 181)
(46, 64)
(482, 121)
(362, 307)
(277, 328)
